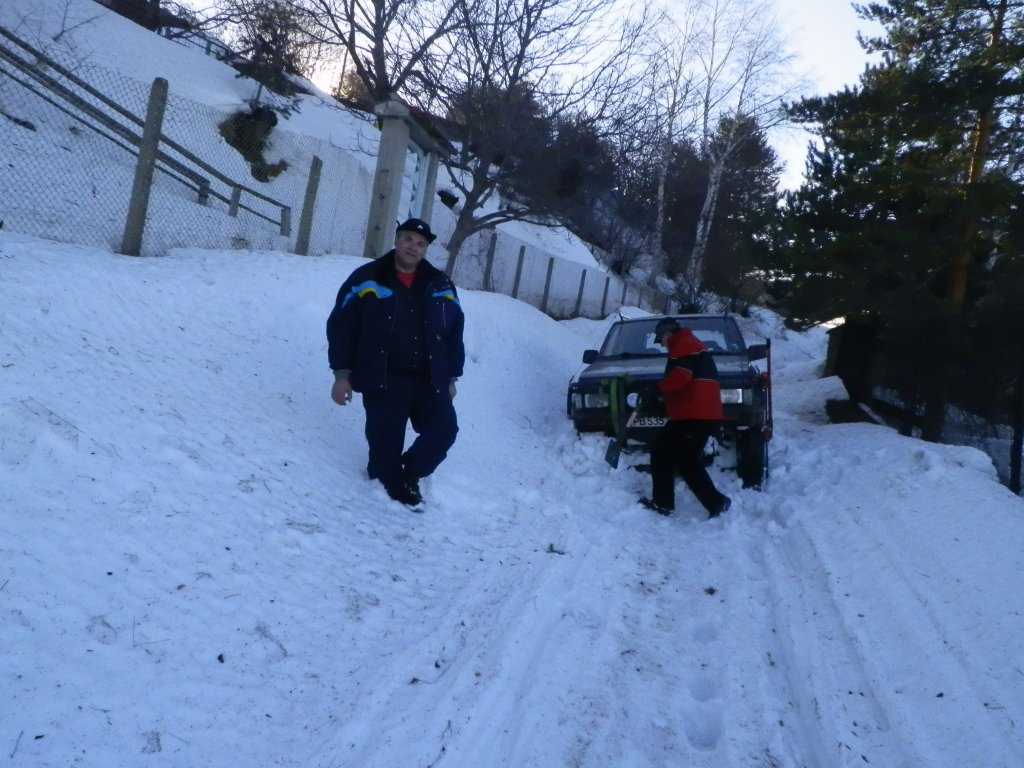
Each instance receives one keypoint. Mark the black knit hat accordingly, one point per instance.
(419, 226)
(665, 325)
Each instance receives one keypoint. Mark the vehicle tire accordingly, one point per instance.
(751, 457)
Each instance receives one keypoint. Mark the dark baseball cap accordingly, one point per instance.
(665, 325)
(419, 226)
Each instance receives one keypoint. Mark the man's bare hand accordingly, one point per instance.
(341, 392)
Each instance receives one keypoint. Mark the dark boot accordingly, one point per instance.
(412, 483)
(405, 489)
(724, 507)
(654, 506)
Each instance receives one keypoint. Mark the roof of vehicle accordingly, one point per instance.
(690, 316)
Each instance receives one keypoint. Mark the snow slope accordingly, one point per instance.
(195, 571)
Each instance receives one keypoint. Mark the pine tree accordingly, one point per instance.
(915, 167)
(908, 197)
(748, 206)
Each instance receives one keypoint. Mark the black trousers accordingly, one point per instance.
(679, 448)
(406, 400)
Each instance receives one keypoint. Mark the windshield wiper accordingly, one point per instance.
(633, 355)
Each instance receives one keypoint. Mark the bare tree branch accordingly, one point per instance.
(385, 41)
(569, 59)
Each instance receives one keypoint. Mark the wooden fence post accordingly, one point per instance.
(308, 204)
(604, 298)
(138, 206)
(236, 199)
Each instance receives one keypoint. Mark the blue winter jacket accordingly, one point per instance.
(360, 327)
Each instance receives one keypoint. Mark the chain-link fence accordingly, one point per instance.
(203, 192)
(72, 135)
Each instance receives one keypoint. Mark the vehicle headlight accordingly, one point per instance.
(732, 397)
(595, 400)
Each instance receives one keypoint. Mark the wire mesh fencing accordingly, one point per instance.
(203, 193)
(67, 167)
(72, 135)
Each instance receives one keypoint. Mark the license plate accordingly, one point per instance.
(650, 421)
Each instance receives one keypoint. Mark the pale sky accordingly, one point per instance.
(823, 36)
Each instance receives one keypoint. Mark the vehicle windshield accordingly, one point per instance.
(635, 338)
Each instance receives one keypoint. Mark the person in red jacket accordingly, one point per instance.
(693, 402)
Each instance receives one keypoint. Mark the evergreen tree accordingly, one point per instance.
(915, 167)
(908, 199)
(684, 195)
(747, 209)
(569, 176)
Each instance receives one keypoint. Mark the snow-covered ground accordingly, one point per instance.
(195, 571)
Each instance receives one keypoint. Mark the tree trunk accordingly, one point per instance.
(659, 221)
(695, 270)
(961, 261)
(465, 226)
(1017, 441)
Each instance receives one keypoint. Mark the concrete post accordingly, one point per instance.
(387, 179)
(579, 294)
(489, 264)
(308, 205)
(429, 184)
(138, 205)
(519, 271)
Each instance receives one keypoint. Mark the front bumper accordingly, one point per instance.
(648, 422)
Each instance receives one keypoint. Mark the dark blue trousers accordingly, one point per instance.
(408, 400)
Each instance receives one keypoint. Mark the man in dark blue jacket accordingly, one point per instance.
(395, 336)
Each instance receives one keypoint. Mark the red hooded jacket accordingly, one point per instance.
(690, 385)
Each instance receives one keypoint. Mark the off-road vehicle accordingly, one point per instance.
(617, 392)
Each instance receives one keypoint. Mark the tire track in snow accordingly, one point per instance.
(834, 707)
(940, 643)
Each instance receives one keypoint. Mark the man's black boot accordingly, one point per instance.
(406, 490)
(412, 484)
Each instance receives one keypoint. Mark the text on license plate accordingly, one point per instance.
(650, 421)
